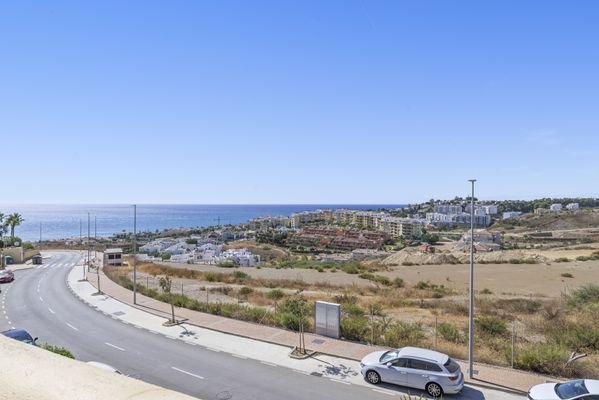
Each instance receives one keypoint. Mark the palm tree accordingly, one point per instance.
(14, 220)
(2, 225)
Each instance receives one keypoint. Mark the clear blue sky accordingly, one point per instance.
(350, 101)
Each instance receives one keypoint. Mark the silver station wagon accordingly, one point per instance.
(423, 369)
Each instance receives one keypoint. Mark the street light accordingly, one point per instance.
(471, 307)
(134, 255)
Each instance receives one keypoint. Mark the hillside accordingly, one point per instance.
(579, 219)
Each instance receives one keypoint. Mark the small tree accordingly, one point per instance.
(296, 312)
(166, 283)
(275, 295)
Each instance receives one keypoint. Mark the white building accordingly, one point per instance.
(208, 253)
(482, 209)
(572, 206)
(511, 214)
(113, 257)
(243, 257)
(555, 207)
(447, 209)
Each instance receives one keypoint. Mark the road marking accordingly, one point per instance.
(51, 310)
(338, 381)
(238, 356)
(71, 326)
(188, 373)
(113, 346)
(42, 300)
(384, 392)
(269, 363)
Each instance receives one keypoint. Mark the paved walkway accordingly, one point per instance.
(486, 375)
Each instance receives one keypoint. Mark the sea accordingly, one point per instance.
(71, 221)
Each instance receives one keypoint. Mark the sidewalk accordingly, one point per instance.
(485, 375)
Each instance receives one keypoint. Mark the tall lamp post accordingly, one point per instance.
(471, 307)
(134, 254)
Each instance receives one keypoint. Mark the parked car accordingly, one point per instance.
(428, 370)
(6, 275)
(582, 389)
(21, 335)
(104, 367)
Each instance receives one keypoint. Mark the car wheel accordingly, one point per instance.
(373, 377)
(434, 389)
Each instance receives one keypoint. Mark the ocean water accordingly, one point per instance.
(68, 221)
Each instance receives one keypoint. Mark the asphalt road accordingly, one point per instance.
(39, 301)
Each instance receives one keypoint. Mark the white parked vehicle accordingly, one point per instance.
(579, 389)
(414, 367)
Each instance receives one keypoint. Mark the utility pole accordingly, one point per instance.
(89, 243)
(40, 236)
(80, 232)
(134, 254)
(471, 306)
(96, 238)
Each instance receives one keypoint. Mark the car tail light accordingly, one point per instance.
(453, 378)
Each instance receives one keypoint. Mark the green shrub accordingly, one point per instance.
(398, 283)
(275, 294)
(383, 280)
(58, 350)
(491, 325)
(239, 275)
(354, 327)
(407, 263)
(584, 295)
(583, 258)
(540, 357)
(401, 333)
(353, 310)
(244, 291)
(421, 285)
(227, 264)
(567, 275)
(579, 337)
(486, 291)
(450, 332)
(562, 259)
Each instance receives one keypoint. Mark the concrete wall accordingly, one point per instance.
(16, 253)
(19, 255)
(31, 373)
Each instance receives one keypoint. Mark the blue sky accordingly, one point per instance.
(349, 101)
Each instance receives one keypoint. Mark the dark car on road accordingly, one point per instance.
(6, 275)
(21, 335)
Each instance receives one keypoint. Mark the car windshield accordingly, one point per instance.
(571, 389)
(21, 336)
(451, 366)
(388, 356)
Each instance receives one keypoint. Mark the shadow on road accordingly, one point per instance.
(468, 393)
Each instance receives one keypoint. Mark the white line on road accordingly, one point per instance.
(71, 326)
(384, 392)
(338, 381)
(113, 346)
(42, 300)
(52, 311)
(188, 373)
(269, 363)
(214, 350)
(238, 356)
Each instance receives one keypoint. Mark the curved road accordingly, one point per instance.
(39, 301)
